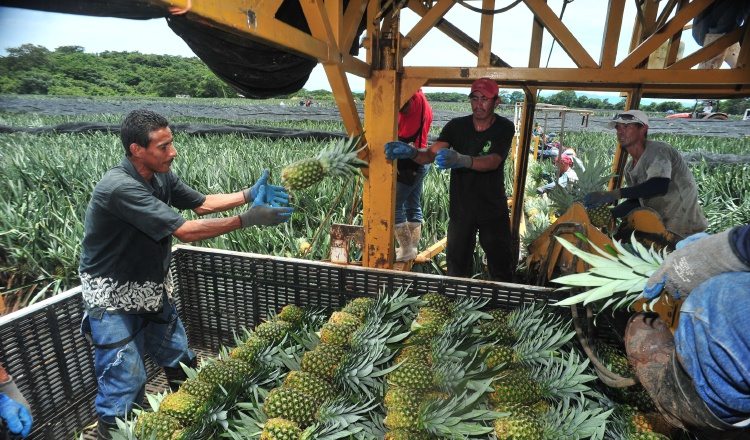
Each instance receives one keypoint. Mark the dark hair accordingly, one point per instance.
(138, 125)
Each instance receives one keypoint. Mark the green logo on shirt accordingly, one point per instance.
(486, 149)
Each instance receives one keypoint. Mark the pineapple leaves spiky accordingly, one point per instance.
(337, 159)
(625, 275)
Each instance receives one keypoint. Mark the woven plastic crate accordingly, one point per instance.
(217, 293)
(224, 291)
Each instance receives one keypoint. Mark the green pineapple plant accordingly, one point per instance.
(337, 159)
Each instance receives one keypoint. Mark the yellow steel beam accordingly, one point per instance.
(647, 47)
(562, 34)
(381, 109)
(430, 18)
(485, 34)
(352, 17)
(455, 34)
(710, 51)
(612, 33)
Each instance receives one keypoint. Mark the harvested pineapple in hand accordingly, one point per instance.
(337, 159)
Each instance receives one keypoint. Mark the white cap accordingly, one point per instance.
(629, 117)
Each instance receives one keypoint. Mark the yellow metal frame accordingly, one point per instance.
(389, 83)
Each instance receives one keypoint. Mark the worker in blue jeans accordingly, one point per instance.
(700, 377)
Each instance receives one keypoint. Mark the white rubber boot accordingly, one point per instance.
(718, 60)
(415, 230)
(403, 237)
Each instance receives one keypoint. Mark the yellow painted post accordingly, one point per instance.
(382, 91)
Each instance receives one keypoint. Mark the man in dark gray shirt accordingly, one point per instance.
(125, 258)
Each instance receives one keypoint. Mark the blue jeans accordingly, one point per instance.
(713, 344)
(409, 198)
(120, 371)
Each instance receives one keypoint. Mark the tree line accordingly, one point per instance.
(69, 70)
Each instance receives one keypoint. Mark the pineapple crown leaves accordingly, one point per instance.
(340, 157)
(625, 274)
(460, 416)
(563, 377)
(340, 417)
(395, 305)
(469, 308)
(544, 346)
(575, 418)
(360, 370)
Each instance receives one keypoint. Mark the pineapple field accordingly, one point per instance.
(319, 364)
(47, 180)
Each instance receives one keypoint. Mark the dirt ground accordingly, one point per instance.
(253, 113)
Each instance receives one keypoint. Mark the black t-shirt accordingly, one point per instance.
(480, 195)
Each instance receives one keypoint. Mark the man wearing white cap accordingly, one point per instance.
(474, 147)
(657, 177)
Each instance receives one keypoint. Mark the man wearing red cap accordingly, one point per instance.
(474, 147)
(566, 174)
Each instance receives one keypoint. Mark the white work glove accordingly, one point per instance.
(260, 214)
(693, 263)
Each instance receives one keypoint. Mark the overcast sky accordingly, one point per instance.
(585, 18)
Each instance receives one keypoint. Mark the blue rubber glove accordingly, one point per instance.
(400, 150)
(447, 158)
(275, 195)
(261, 214)
(16, 416)
(695, 260)
(594, 199)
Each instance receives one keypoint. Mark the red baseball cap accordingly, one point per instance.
(486, 87)
(566, 159)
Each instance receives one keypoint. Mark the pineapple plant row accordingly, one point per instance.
(339, 158)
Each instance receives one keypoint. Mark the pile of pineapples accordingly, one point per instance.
(392, 367)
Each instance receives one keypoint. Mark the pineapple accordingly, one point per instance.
(595, 177)
(438, 301)
(412, 375)
(221, 373)
(280, 429)
(273, 331)
(182, 406)
(415, 354)
(157, 426)
(401, 397)
(337, 333)
(248, 351)
(402, 434)
(311, 385)
(291, 405)
(291, 314)
(358, 306)
(344, 317)
(202, 390)
(338, 159)
(518, 427)
(323, 360)
(514, 386)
